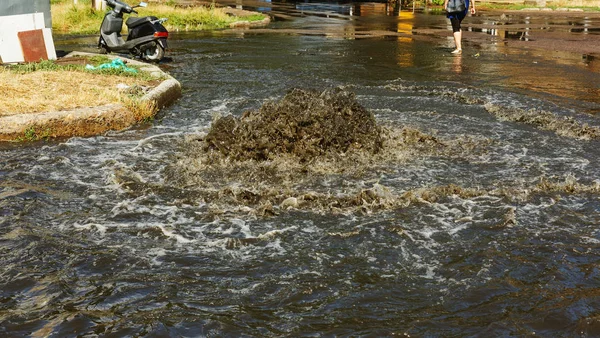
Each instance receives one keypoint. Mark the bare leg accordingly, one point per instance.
(458, 41)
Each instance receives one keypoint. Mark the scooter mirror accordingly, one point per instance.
(143, 4)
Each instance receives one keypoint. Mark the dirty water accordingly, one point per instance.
(474, 211)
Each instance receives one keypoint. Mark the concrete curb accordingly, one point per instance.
(247, 24)
(241, 13)
(89, 121)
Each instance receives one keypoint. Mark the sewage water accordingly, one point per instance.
(484, 224)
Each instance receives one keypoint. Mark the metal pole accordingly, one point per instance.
(99, 4)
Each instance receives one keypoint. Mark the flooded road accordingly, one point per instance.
(478, 218)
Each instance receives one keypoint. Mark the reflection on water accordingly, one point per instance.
(592, 62)
(505, 34)
(325, 7)
(405, 23)
(373, 8)
(457, 64)
(352, 8)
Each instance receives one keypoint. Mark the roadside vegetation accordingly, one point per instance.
(68, 18)
(68, 85)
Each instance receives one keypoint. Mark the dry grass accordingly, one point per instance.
(82, 19)
(42, 91)
(141, 110)
(76, 19)
(191, 19)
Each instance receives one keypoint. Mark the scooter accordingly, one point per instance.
(147, 36)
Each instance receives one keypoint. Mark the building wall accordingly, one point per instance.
(15, 7)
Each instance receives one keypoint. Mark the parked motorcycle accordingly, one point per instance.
(147, 36)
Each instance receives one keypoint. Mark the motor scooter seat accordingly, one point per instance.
(134, 22)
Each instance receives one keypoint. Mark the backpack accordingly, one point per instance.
(455, 6)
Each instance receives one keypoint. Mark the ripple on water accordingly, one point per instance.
(461, 224)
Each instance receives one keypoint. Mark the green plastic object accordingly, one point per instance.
(115, 64)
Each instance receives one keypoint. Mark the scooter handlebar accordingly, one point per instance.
(120, 6)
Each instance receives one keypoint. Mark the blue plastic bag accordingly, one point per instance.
(115, 64)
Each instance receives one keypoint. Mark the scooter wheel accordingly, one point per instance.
(154, 53)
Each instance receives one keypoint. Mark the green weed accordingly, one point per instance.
(33, 135)
(97, 60)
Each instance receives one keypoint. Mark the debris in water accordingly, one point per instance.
(563, 126)
(568, 186)
(305, 123)
(296, 152)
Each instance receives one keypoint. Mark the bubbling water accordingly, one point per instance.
(319, 151)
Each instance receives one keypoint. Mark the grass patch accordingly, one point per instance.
(32, 134)
(54, 66)
(143, 111)
(254, 17)
(50, 86)
(97, 60)
(191, 19)
(83, 19)
(75, 19)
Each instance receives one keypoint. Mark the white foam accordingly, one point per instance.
(146, 140)
(180, 239)
(156, 254)
(589, 240)
(246, 290)
(276, 247)
(100, 228)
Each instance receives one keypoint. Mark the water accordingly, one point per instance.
(492, 233)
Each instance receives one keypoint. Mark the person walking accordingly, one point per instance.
(455, 19)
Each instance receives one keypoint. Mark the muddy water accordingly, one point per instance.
(481, 219)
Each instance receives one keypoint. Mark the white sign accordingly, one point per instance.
(10, 26)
